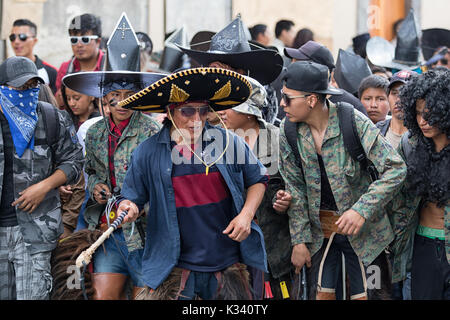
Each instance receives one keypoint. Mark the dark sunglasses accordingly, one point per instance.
(190, 111)
(84, 39)
(22, 37)
(287, 99)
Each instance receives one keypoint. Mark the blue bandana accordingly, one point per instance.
(19, 108)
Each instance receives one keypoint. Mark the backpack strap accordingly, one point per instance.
(290, 130)
(406, 146)
(352, 141)
(51, 124)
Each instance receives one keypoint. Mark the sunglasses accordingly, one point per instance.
(287, 99)
(190, 111)
(21, 36)
(84, 39)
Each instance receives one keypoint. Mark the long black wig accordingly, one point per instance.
(428, 171)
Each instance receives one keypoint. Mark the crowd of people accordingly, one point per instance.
(250, 170)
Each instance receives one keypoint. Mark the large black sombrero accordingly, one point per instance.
(231, 46)
(223, 89)
(122, 66)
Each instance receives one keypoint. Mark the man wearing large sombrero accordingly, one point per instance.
(109, 145)
(200, 229)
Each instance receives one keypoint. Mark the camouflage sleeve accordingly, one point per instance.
(401, 212)
(389, 164)
(155, 126)
(92, 164)
(68, 153)
(299, 224)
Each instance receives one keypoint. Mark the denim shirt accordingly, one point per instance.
(149, 180)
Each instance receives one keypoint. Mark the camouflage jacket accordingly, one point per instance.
(42, 228)
(404, 214)
(140, 128)
(352, 188)
(275, 226)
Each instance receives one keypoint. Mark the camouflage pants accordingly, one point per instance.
(22, 276)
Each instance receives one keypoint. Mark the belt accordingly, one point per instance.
(328, 220)
(431, 232)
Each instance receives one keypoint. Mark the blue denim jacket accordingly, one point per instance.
(149, 179)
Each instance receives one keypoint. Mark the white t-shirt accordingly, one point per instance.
(81, 134)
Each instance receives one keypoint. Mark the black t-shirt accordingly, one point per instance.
(327, 201)
(8, 216)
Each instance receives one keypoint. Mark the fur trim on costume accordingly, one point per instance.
(63, 258)
(233, 285)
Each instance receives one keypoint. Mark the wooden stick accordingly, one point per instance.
(86, 255)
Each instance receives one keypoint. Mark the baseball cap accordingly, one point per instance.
(401, 76)
(16, 71)
(313, 51)
(308, 76)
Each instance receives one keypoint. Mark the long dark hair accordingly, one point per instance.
(75, 119)
(428, 171)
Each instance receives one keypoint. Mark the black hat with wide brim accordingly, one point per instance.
(95, 83)
(222, 89)
(230, 46)
(405, 55)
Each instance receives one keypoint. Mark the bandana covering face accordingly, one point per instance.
(19, 108)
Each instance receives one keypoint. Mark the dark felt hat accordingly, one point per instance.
(122, 67)
(308, 76)
(172, 56)
(231, 46)
(222, 89)
(350, 70)
(405, 55)
(433, 39)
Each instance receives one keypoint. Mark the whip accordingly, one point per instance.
(86, 256)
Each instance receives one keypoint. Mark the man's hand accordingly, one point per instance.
(31, 197)
(65, 192)
(300, 256)
(101, 193)
(239, 228)
(283, 201)
(131, 208)
(350, 223)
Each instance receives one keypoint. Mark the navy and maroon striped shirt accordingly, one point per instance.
(204, 209)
